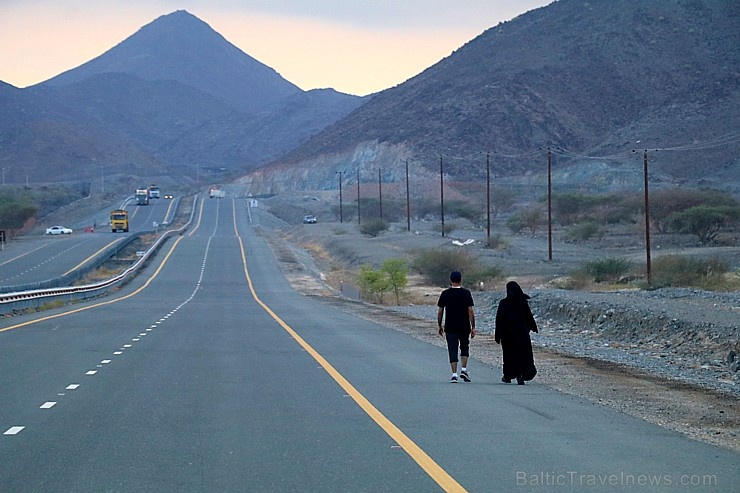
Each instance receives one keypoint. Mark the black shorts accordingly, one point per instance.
(455, 340)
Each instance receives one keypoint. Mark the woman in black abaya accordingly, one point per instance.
(514, 321)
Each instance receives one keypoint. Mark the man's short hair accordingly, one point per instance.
(455, 276)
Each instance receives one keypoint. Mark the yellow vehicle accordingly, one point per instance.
(119, 220)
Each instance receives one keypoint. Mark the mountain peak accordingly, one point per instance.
(181, 47)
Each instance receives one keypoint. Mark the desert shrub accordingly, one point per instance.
(463, 210)
(668, 202)
(497, 242)
(704, 221)
(584, 231)
(374, 227)
(435, 264)
(578, 279)
(515, 224)
(681, 271)
(502, 199)
(608, 269)
(530, 217)
(425, 208)
(449, 227)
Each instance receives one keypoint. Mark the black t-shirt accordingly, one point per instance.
(456, 302)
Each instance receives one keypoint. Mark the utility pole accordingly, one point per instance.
(341, 216)
(380, 195)
(549, 204)
(408, 201)
(647, 219)
(442, 193)
(358, 197)
(488, 199)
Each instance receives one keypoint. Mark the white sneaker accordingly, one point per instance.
(453, 379)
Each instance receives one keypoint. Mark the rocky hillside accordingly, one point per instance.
(598, 78)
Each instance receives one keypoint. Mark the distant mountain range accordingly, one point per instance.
(592, 81)
(173, 100)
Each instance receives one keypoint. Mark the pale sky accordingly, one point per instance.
(354, 46)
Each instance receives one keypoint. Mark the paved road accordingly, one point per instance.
(40, 258)
(191, 380)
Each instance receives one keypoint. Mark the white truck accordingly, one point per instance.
(216, 193)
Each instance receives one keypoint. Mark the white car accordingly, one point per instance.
(58, 230)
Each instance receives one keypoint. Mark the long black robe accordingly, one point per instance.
(514, 321)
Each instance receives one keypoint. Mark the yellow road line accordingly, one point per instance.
(434, 470)
(200, 216)
(82, 309)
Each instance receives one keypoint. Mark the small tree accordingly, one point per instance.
(396, 271)
(373, 282)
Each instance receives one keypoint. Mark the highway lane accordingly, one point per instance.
(41, 258)
(200, 386)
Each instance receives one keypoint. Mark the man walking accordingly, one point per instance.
(456, 307)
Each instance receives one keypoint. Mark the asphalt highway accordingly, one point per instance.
(209, 373)
(36, 259)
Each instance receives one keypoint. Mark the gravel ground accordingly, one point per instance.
(669, 356)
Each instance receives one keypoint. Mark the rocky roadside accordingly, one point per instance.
(666, 356)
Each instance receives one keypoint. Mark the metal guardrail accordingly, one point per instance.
(35, 298)
(76, 274)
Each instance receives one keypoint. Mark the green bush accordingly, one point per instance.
(608, 269)
(373, 282)
(680, 271)
(584, 231)
(392, 276)
(435, 264)
(374, 227)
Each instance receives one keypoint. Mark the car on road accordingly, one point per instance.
(58, 230)
(168, 196)
(309, 219)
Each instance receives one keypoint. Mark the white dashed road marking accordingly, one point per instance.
(91, 372)
(48, 405)
(13, 430)
(73, 386)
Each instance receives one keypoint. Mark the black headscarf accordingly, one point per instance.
(513, 290)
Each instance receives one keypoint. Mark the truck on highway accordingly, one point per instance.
(216, 192)
(142, 196)
(119, 220)
(154, 192)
